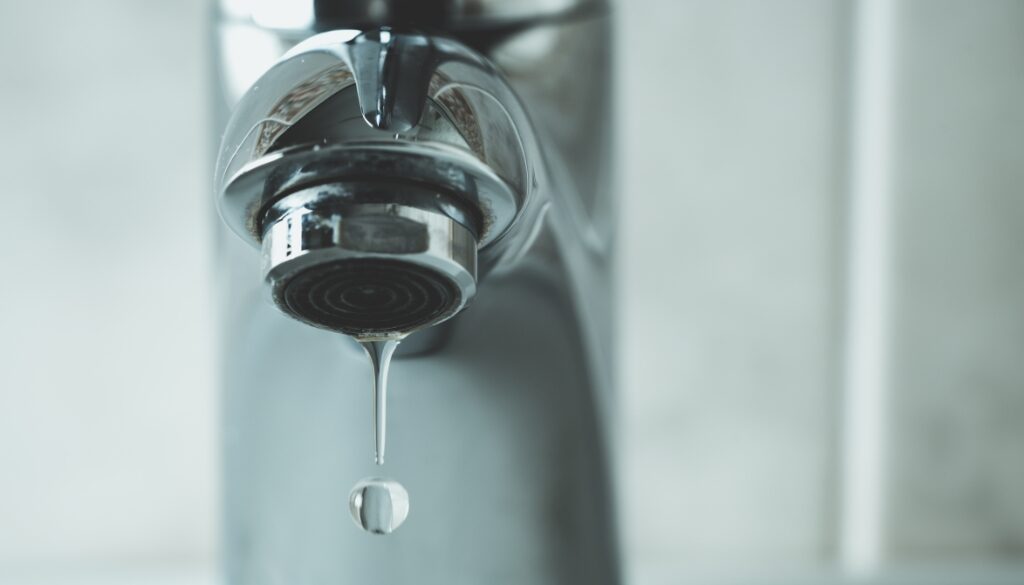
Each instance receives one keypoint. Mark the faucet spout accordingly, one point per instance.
(373, 168)
(391, 179)
(392, 74)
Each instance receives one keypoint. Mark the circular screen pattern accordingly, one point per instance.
(369, 295)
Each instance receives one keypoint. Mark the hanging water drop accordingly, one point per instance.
(380, 353)
(379, 506)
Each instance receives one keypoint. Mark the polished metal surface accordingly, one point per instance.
(419, 121)
(436, 107)
(302, 16)
(431, 260)
(478, 162)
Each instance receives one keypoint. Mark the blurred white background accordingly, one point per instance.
(821, 288)
(107, 350)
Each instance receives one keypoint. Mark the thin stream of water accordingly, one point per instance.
(380, 353)
(379, 505)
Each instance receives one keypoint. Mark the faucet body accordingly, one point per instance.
(475, 157)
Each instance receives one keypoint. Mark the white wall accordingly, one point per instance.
(729, 280)
(746, 129)
(107, 391)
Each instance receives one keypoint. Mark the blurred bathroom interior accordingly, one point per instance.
(820, 292)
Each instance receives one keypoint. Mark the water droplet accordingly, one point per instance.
(380, 353)
(379, 506)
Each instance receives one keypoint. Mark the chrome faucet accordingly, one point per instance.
(434, 172)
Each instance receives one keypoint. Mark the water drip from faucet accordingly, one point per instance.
(380, 353)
